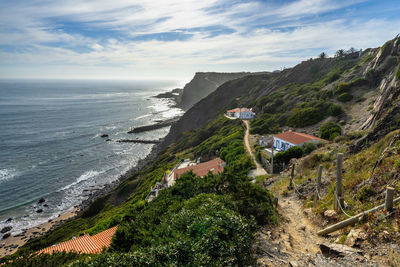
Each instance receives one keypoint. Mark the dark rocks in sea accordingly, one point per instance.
(45, 205)
(9, 220)
(39, 210)
(104, 136)
(155, 126)
(139, 141)
(41, 200)
(108, 140)
(6, 235)
(6, 229)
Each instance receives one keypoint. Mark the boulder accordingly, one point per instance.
(8, 220)
(355, 236)
(6, 235)
(41, 200)
(331, 214)
(6, 229)
(337, 250)
(39, 210)
(104, 136)
(45, 205)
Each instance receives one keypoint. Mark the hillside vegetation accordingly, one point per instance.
(213, 220)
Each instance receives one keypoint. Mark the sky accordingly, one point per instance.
(173, 39)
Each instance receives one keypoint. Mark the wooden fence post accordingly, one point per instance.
(291, 178)
(272, 160)
(319, 179)
(389, 198)
(339, 189)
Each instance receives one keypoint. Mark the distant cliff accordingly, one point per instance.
(204, 83)
(358, 92)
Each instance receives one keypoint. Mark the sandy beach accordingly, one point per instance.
(11, 244)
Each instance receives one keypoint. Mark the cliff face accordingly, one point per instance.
(313, 85)
(204, 83)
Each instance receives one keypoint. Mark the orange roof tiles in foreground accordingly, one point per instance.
(85, 244)
(297, 138)
(202, 169)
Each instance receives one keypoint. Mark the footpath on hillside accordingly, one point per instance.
(259, 169)
(294, 242)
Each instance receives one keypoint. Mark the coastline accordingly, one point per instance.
(11, 244)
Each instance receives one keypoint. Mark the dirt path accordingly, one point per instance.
(259, 169)
(295, 241)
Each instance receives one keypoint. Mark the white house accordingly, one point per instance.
(241, 113)
(286, 140)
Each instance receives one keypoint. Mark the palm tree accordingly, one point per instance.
(339, 53)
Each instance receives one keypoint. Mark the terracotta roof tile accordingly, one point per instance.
(85, 244)
(202, 169)
(297, 138)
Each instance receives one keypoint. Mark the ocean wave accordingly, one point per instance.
(7, 174)
(143, 116)
(85, 176)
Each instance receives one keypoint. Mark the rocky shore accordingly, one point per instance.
(11, 243)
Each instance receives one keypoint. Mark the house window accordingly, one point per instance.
(277, 144)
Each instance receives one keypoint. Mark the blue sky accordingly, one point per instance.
(159, 39)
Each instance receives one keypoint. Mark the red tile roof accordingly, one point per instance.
(297, 138)
(239, 110)
(202, 169)
(85, 244)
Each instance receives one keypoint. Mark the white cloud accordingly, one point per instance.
(37, 29)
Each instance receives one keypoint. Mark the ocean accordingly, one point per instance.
(51, 145)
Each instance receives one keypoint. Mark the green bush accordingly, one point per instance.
(365, 192)
(329, 130)
(398, 72)
(342, 88)
(309, 147)
(302, 117)
(345, 97)
(286, 156)
(335, 110)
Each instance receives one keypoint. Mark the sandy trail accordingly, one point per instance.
(259, 169)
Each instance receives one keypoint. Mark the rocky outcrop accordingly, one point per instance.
(204, 83)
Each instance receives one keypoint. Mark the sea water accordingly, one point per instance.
(51, 145)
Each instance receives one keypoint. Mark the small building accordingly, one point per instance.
(265, 140)
(286, 140)
(241, 113)
(214, 166)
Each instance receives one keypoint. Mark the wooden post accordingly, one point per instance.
(339, 189)
(291, 178)
(315, 197)
(353, 219)
(389, 198)
(272, 160)
(319, 179)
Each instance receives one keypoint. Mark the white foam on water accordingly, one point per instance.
(85, 176)
(7, 174)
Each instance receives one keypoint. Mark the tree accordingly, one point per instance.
(329, 130)
(322, 55)
(340, 53)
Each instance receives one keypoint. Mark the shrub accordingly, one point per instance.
(329, 130)
(335, 110)
(342, 88)
(286, 156)
(345, 97)
(302, 117)
(309, 147)
(365, 192)
(398, 72)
